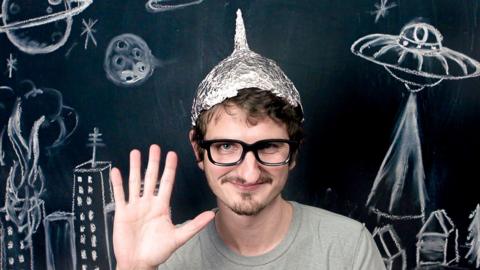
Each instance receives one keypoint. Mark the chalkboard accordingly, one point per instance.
(389, 89)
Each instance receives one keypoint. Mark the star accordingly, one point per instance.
(382, 9)
(11, 65)
(88, 31)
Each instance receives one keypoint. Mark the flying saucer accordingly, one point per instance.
(167, 5)
(39, 27)
(416, 56)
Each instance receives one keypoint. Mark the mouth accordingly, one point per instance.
(247, 187)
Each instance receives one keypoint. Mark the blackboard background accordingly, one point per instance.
(350, 104)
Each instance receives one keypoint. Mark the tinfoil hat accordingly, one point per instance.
(242, 69)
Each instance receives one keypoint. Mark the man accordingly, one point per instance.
(247, 126)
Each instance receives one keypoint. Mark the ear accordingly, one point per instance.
(292, 164)
(195, 148)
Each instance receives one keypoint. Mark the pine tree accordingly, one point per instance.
(473, 239)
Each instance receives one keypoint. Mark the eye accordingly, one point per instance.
(272, 147)
(268, 146)
(226, 147)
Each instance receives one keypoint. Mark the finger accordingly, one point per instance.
(151, 176)
(168, 179)
(135, 176)
(118, 193)
(187, 231)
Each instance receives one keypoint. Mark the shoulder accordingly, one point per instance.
(342, 237)
(331, 231)
(327, 221)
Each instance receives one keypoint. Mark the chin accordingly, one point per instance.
(248, 206)
(243, 209)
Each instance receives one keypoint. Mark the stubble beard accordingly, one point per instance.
(248, 206)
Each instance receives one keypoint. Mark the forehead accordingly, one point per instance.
(233, 122)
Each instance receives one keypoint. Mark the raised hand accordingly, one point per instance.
(143, 233)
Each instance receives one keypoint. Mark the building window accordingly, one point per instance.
(10, 245)
(89, 179)
(21, 259)
(9, 230)
(94, 241)
(79, 179)
(93, 228)
(11, 260)
(83, 238)
(82, 228)
(80, 189)
(79, 201)
(94, 255)
(82, 216)
(83, 254)
(89, 201)
(90, 215)
(90, 190)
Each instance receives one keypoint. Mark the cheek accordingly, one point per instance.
(213, 172)
(279, 174)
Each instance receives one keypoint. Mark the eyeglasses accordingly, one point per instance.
(273, 152)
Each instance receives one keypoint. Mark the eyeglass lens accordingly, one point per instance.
(268, 152)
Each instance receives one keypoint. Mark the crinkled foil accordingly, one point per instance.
(242, 69)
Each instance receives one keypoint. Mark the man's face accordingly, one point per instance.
(248, 187)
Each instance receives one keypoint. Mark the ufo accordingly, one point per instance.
(28, 25)
(167, 5)
(416, 56)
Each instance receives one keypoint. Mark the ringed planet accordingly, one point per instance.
(39, 27)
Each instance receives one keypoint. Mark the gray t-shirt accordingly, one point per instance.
(316, 239)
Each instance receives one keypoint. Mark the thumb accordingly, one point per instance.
(189, 229)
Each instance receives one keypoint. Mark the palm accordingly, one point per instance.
(144, 235)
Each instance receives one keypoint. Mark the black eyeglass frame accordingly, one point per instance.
(205, 144)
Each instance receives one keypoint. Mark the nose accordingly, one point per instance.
(249, 169)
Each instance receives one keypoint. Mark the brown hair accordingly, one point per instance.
(258, 104)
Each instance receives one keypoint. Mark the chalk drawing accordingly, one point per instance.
(418, 59)
(416, 56)
(129, 61)
(473, 238)
(389, 246)
(167, 5)
(399, 190)
(88, 30)
(40, 27)
(69, 51)
(437, 241)
(91, 207)
(23, 210)
(60, 241)
(381, 9)
(11, 65)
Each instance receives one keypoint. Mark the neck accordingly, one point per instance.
(258, 234)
